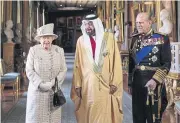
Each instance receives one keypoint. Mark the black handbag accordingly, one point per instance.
(58, 97)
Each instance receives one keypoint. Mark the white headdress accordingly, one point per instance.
(99, 31)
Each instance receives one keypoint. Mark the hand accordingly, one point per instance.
(113, 89)
(130, 90)
(78, 92)
(151, 84)
(45, 86)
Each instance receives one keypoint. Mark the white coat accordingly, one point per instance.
(43, 66)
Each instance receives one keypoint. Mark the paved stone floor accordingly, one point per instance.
(17, 113)
(67, 110)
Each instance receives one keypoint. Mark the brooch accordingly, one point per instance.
(57, 50)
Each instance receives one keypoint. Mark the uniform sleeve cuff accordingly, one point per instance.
(160, 75)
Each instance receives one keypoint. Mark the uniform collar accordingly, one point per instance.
(148, 34)
(150, 31)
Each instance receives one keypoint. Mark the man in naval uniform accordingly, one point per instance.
(149, 63)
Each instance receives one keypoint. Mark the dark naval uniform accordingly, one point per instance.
(149, 58)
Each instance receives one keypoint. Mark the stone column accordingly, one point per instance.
(9, 10)
(43, 14)
(122, 22)
(178, 20)
(158, 9)
(126, 11)
(112, 15)
(30, 19)
(175, 23)
(99, 10)
(132, 16)
(108, 14)
(38, 4)
(25, 15)
(117, 15)
(18, 12)
(14, 12)
(1, 12)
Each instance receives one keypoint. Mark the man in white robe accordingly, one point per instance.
(97, 86)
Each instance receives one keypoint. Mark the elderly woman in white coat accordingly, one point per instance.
(45, 62)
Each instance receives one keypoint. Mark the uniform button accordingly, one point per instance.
(149, 53)
(149, 58)
(136, 49)
(149, 63)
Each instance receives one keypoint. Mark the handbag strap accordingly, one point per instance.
(56, 83)
(55, 87)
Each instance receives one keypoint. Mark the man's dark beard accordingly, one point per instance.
(92, 33)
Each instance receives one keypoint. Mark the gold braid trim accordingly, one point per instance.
(160, 75)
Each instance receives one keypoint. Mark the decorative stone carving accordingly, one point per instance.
(18, 33)
(167, 5)
(116, 32)
(34, 33)
(30, 38)
(27, 34)
(167, 24)
(8, 31)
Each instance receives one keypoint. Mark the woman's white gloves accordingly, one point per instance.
(47, 86)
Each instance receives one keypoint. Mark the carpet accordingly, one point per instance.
(17, 113)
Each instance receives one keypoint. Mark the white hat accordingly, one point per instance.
(45, 30)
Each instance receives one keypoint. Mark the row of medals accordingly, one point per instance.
(150, 42)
